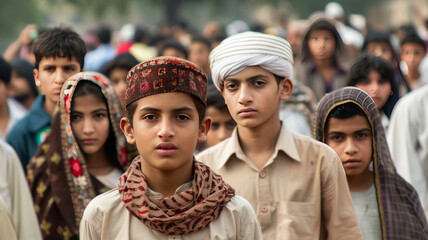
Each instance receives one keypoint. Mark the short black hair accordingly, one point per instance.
(59, 42)
(5, 71)
(414, 38)
(175, 45)
(215, 99)
(203, 40)
(360, 69)
(104, 34)
(122, 61)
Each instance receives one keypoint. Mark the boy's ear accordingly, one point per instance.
(127, 130)
(204, 127)
(285, 88)
(36, 77)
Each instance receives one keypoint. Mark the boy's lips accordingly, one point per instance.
(166, 148)
(351, 163)
(247, 112)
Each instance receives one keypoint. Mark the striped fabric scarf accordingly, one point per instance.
(183, 213)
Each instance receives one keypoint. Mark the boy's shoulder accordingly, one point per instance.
(102, 204)
(219, 152)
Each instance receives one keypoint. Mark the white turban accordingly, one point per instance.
(246, 49)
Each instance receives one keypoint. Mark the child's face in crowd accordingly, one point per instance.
(381, 49)
(351, 138)
(165, 132)
(199, 54)
(118, 79)
(253, 96)
(222, 126)
(19, 86)
(52, 73)
(321, 44)
(379, 89)
(412, 54)
(90, 123)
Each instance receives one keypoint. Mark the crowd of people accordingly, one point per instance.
(314, 130)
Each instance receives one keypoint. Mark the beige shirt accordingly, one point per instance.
(301, 192)
(107, 218)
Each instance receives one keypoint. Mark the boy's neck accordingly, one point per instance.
(48, 106)
(259, 143)
(4, 117)
(361, 182)
(167, 182)
(323, 64)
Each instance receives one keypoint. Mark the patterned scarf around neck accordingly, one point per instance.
(182, 213)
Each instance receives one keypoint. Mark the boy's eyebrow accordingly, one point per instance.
(358, 131)
(248, 79)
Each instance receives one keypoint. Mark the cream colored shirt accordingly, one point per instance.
(106, 217)
(301, 192)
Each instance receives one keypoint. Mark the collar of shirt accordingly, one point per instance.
(285, 143)
(38, 116)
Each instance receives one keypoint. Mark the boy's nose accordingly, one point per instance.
(166, 130)
(60, 77)
(244, 96)
(350, 148)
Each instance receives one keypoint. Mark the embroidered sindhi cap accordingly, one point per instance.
(163, 75)
(242, 50)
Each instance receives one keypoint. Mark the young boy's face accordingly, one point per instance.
(379, 89)
(321, 44)
(381, 49)
(118, 80)
(222, 126)
(52, 73)
(253, 96)
(165, 132)
(351, 138)
(412, 54)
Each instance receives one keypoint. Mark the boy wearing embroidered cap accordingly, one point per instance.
(166, 193)
(296, 185)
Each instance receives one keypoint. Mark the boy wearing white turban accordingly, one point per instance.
(296, 185)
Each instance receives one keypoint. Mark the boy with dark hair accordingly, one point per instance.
(376, 76)
(296, 185)
(59, 54)
(222, 124)
(166, 193)
(386, 205)
(413, 50)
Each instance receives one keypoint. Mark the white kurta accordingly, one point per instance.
(408, 140)
(15, 192)
(107, 218)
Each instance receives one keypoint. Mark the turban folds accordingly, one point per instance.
(246, 49)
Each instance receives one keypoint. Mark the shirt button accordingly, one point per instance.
(262, 174)
(264, 209)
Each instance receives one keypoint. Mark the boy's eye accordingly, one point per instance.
(150, 117)
(362, 135)
(50, 69)
(259, 83)
(336, 138)
(215, 126)
(231, 86)
(182, 117)
(231, 125)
